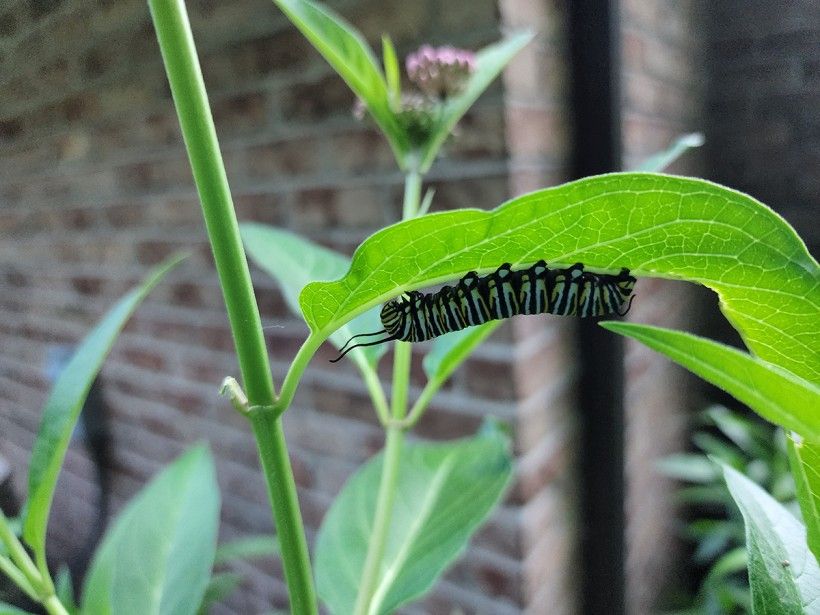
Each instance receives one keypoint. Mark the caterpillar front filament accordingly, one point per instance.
(474, 300)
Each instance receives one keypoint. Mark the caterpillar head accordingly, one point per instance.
(393, 313)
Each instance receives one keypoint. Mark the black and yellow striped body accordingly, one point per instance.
(474, 300)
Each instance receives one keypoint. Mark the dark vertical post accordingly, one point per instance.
(595, 98)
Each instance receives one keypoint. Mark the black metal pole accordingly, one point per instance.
(595, 97)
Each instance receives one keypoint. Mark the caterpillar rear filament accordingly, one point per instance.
(474, 300)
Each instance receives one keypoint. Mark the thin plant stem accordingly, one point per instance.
(394, 440)
(19, 555)
(188, 89)
(374, 387)
(8, 568)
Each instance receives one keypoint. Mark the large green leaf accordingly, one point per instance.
(293, 262)
(774, 393)
(804, 459)
(783, 574)
(656, 225)
(449, 351)
(156, 559)
(349, 54)
(490, 61)
(63, 407)
(445, 492)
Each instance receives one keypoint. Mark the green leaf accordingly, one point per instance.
(658, 162)
(219, 587)
(64, 589)
(349, 54)
(783, 574)
(157, 556)
(656, 225)
(391, 69)
(774, 393)
(445, 492)
(689, 467)
(63, 406)
(804, 458)
(490, 61)
(294, 262)
(7, 609)
(451, 350)
(251, 547)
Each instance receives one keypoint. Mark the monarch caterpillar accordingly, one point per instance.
(474, 300)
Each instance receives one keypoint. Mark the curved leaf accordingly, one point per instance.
(783, 574)
(490, 61)
(656, 225)
(156, 559)
(804, 459)
(63, 406)
(349, 54)
(293, 262)
(775, 394)
(445, 492)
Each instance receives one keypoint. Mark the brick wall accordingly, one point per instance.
(95, 188)
(763, 130)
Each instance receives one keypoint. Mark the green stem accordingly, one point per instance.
(188, 89)
(19, 555)
(381, 522)
(374, 387)
(270, 438)
(412, 194)
(17, 577)
(295, 371)
(53, 605)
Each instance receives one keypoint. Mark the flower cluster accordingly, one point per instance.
(440, 72)
(437, 73)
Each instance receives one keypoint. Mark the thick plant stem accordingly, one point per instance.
(188, 89)
(270, 438)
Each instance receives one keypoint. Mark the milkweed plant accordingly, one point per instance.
(408, 512)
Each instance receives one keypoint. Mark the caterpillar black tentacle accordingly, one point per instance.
(474, 300)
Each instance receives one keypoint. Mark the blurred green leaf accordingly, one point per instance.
(7, 609)
(64, 589)
(775, 394)
(661, 160)
(445, 491)
(391, 70)
(784, 576)
(157, 556)
(349, 54)
(451, 350)
(294, 262)
(63, 406)
(804, 458)
(251, 547)
(490, 61)
(689, 467)
(219, 587)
